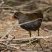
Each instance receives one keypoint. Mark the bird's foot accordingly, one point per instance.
(40, 44)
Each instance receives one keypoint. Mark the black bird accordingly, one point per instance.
(31, 26)
(35, 18)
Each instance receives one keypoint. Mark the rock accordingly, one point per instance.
(48, 15)
(47, 25)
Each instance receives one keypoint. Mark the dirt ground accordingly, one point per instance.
(7, 22)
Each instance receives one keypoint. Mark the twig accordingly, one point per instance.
(1, 3)
(25, 40)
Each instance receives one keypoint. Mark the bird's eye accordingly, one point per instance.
(16, 15)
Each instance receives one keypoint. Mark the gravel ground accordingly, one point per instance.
(18, 32)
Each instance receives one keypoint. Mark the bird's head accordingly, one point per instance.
(17, 15)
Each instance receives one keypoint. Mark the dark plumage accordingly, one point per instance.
(32, 26)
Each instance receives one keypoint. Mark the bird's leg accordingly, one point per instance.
(39, 40)
(38, 32)
(30, 36)
(30, 33)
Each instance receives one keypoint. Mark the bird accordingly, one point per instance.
(30, 22)
(35, 17)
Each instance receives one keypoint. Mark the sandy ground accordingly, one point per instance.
(7, 22)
